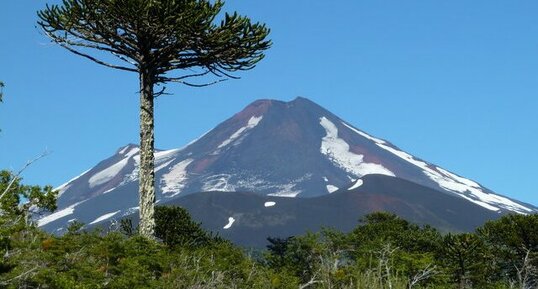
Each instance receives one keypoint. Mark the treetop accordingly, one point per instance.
(158, 36)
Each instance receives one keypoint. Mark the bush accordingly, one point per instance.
(175, 227)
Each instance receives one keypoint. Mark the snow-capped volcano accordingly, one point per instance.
(271, 148)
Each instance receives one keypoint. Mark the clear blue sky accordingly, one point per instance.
(453, 82)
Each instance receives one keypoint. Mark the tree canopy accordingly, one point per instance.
(158, 35)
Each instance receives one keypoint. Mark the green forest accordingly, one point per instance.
(382, 251)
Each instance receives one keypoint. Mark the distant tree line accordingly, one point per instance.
(382, 251)
(385, 251)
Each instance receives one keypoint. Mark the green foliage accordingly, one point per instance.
(175, 227)
(385, 251)
(513, 233)
(411, 247)
(465, 258)
(513, 242)
(12, 192)
(91, 260)
(277, 252)
(382, 252)
(381, 228)
(156, 37)
(17, 204)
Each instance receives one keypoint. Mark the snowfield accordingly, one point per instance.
(104, 217)
(58, 215)
(357, 184)
(269, 204)
(173, 181)
(253, 122)
(337, 150)
(463, 187)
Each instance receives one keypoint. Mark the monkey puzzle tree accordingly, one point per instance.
(163, 41)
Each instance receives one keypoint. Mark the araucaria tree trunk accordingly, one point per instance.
(146, 173)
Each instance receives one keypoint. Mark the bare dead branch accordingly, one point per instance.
(311, 282)
(385, 258)
(24, 274)
(424, 274)
(18, 174)
(527, 273)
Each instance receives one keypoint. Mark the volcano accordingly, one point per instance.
(295, 153)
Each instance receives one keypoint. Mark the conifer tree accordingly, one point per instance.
(463, 255)
(162, 41)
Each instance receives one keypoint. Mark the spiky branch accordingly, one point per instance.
(161, 36)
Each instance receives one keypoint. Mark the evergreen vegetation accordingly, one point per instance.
(383, 251)
(155, 39)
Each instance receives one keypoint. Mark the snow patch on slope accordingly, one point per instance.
(130, 211)
(231, 221)
(162, 160)
(458, 178)
(463, 187)
(104, 217)
(286, 193)
(376, 140)
(163, 165)
(253, 122)
(132, 152)
(161, 156)
(356, 185)
(218, 183)
(58, 215)
(62, 189)
(122, 151)
(337, 150)
(108, 191)
(107, 174)
(248, 182)
(460, 186)
(258, 183)
(269, 204)
(174, 181)
(331, 189)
